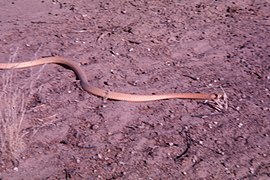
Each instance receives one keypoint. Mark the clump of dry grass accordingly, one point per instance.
(12, 111)
(13, 99)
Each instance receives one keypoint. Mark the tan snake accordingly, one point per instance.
(103, 93)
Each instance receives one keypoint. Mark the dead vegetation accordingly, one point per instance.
(14, 98)
(12, 111)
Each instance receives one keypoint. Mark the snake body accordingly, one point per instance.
(100, 92)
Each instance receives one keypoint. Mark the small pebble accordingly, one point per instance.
(240, 125)
(251, 170)
(99, 156)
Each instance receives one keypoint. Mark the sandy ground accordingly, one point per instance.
(52, 129)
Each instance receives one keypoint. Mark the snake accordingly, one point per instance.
(80, 74)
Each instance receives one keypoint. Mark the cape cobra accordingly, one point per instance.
(103, 93)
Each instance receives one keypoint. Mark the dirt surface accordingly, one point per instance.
(52, 129)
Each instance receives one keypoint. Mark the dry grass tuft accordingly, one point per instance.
(12, 111)
(13, 98)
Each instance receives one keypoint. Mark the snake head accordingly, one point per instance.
(220, 102)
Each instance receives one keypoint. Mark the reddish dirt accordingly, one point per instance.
(139, 47)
